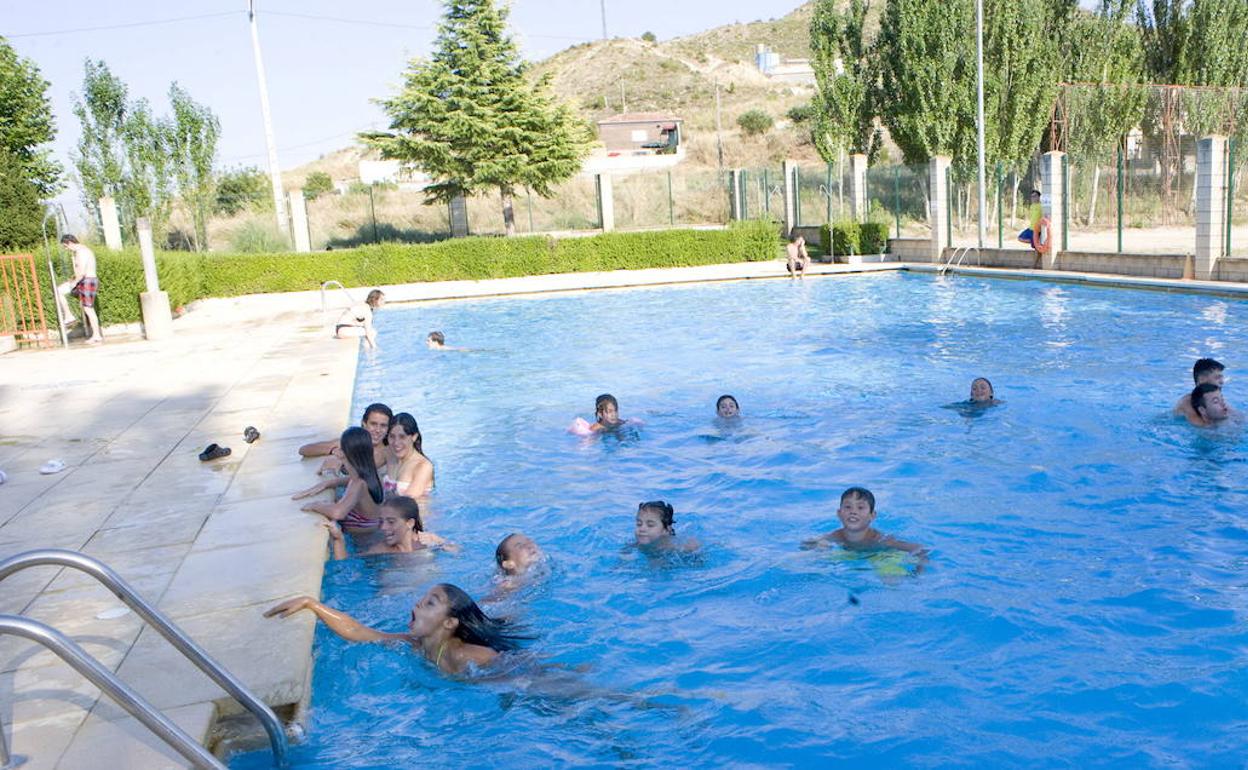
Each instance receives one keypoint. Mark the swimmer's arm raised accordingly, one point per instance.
(339, 622)
(337, 542)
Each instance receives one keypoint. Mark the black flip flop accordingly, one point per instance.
(213, 452)
(251, 434)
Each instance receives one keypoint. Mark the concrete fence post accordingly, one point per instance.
(1052, 198)
(110, 223)
(938, 203)
(154, 303)
(858, 187)
(1211, 154)
(299, 221)
(736, 210)
(790, 197)
(606, 202)
(459, 216)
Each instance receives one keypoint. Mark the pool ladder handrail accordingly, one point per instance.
(960, 253)
(324, 309)
(104, 679)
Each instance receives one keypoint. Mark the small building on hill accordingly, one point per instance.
(641, 133)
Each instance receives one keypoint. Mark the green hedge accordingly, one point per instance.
(187, 277)
(850, 237)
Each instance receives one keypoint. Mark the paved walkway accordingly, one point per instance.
(211, 544)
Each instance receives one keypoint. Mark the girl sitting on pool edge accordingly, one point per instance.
(446, 627)
(857, 512)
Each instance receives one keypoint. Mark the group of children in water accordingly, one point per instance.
(379, 509)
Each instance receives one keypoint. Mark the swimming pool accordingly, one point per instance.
(1087, 600)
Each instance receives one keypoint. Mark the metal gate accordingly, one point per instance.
(21, 303)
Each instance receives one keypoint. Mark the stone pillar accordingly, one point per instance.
(606, 202)
(154, 303)
(112, 226)
(938, 203)
(736, 195)
(299, 221)
(459, 216)
(790, 197)
(858, 187)
(1210, 205)
(1052, 199)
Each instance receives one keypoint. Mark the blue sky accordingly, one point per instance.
(322, 74)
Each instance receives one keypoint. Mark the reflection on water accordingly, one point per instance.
(1086, 601)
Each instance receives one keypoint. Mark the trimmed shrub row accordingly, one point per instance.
(850, 237)
(187, 277)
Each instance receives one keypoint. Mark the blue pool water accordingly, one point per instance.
(1087, 599)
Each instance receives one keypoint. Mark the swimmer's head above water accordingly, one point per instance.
(1207, 370)
(981, 390)
(655, 521)
(400, 519)
(1209, 404)
(448, 611)
(376, 420)
(607, 410)
(727, 407)
(517, 553)
(436, 340)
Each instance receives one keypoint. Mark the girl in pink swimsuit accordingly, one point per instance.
(358, 507)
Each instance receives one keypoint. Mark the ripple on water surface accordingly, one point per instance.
(1086, 599)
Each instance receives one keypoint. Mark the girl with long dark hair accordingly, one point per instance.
(401, 531)
(413, 472)
(358, 507)
(446, 627)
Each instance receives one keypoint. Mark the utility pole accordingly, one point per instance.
(979, 94)
(604, 19)
(623, 98)
(719, 139)
(275, 172)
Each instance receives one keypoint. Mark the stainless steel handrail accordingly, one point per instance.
(350, 299)
(104, 679)
(181, 642)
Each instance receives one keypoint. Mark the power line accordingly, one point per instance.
(393, 25)
(128, 25)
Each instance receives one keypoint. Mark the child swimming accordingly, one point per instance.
(1204, 371)
(518, 559)
(607, 412)
(401, 531)
(726, 407)
(982, 393)
(857, 512)
(655, 528)
(446, 627)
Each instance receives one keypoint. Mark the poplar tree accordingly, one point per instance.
(844, 80)
(192, 137)
(26, 124)
(471, 119)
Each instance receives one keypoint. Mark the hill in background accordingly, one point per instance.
(605, 77)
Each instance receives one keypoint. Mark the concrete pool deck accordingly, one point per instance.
(211, 544)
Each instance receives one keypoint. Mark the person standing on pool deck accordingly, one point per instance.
(446, 627)
(798, 260)
(1208, 406)
(1036, 236)
(85, 285)
(1205, 370)
(857, 513)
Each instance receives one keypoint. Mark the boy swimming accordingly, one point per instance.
(857, 513)
(1204, 371)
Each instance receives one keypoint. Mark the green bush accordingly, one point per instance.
(258, 237)
(873, 237)
(850, 237)
(317, 184)
(754, 122)
(188, 276)
(243, 189)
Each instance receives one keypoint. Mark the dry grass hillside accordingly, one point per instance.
(679, 75)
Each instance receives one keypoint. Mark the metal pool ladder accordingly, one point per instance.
(324, 309)
(108, 682)
(959, 254)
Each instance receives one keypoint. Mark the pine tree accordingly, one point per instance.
(471, 119)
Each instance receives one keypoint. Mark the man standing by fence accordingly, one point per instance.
(84, 286)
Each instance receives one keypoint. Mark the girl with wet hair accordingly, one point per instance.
(401, 528)
(358, 508)
(446, 626)
(413, 472)
(655, 528)
(727, 407)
